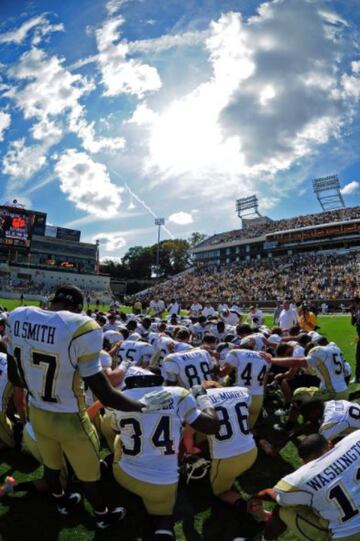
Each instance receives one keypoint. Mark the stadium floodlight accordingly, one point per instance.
(328, 193)
(247, 206)
(159, 222)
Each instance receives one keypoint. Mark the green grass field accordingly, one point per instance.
(198, 516)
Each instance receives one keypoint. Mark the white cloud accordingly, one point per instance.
(45, 129)
(112, 258)
(22, 162)
(91, 218)
(55, 92)
(350, 188)
(5, 121)
(87, 184)
(268, 202)
(115, 240)
(40, 23)
(121, 75)
(110, 242)
(44, 30)
(92, 143)
(114, 5)
(142, 115)
(168, 41)
(156, 45)
(52, 90)
(271, 100)
(181, 218)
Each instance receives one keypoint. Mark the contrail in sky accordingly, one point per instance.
(145, 205)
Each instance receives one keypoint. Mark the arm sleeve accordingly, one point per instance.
(85, 348)
(311, 361)
(333, 429)
(105, 359)
(290, 495)
(229, 359)
(169, 370)
(188, 409)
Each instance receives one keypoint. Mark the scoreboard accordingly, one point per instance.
(16, 227)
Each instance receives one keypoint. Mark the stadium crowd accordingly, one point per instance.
(300, 277)
(194, 391)
(266, 225)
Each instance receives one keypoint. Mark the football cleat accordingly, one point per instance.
(195, 468)
(103, 521)
(71, 501)
(8, 486)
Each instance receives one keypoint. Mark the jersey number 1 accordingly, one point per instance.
(347, 506)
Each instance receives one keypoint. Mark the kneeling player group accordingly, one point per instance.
(133, 400)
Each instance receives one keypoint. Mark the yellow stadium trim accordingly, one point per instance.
(88, 357)
(85, 328)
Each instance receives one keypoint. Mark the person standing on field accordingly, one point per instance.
(355, 320)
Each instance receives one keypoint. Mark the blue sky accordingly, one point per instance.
(112, 112)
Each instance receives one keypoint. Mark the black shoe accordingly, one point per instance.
(68, 503)
(103, 521)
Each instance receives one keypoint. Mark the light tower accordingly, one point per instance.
(247, 206)
(159, 222)
(328, 193)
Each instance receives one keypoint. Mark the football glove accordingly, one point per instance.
(156, 400)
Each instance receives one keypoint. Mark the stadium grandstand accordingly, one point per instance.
(314, 257)
(36, 256)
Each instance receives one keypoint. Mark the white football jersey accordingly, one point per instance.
(132, 371)
(53, 351)
(188, 368)
(161, 348)
(182, 346)
(198, 331)
(234, 437)
(150, 441)
(219, 335)
(113, 336)
(328, 363)
(259, 341)
(153, 337)
(330, 485)
(340, 418)
(250, 369)
(136, 352)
